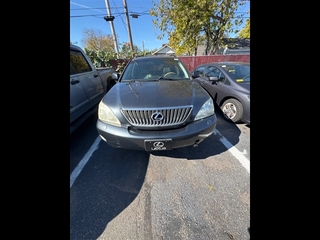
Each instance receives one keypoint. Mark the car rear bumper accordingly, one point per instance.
(192, 134)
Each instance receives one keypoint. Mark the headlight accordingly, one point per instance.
(206, 110)
(106, 115)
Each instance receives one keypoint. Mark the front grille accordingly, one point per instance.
(144, 117)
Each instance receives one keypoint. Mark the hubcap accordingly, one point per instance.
(230, 110)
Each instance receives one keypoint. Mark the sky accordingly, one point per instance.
(89, 14)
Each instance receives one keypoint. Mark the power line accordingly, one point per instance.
(146, 12)
(119, 13)
(91, 15)
(76, 9)
(137, 13)
(103, 8)
(94, 15)
(88, 8)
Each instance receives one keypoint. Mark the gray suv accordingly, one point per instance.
(155, 106)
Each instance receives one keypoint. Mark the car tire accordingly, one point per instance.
(232, 110)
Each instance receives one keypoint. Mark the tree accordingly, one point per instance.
(94, 40)
(126, 51)
(98, 47)
(100, 58)
(191, 23)
(245, 31)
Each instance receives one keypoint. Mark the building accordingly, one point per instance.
(164, 50)
(229, 46)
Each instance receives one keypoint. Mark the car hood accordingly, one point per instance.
(151, 94)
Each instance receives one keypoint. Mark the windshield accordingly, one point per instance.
(238, 72)
(150, 69)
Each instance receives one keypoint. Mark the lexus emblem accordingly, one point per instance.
(158, 144)
(157, 116)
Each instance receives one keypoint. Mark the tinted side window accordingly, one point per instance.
(212, 72)
(201, 69)
(79, 63)
(72, 71)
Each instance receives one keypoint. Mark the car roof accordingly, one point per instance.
(74, 47)
(222, 63)
(225, 63)
(155, 57)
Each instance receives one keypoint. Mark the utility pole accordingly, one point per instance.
(128, 24)
(114, 36)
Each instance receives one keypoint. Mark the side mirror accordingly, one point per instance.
(115, 76)
(196, 74)
(214, 79)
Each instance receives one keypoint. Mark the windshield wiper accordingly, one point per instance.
(162, 78)
(131, 80)
(135, 93)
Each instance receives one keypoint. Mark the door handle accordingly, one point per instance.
(74, 81)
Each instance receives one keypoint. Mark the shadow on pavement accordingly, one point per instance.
(210, 146)
(113, 178)
(104, 189)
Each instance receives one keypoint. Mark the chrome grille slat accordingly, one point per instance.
(130, 117)
(172, 116)
(182, 114)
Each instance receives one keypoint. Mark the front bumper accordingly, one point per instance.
(192, 134)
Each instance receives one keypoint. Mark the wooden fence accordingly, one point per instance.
(193, 61)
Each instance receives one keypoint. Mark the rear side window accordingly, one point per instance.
(78, 63)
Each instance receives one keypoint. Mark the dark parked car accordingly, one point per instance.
(228, 83)
(155, 105)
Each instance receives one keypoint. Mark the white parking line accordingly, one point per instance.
(84, 160)
(235, 152)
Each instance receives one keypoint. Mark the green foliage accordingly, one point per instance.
(100, 58)
(120, 66)
(100, 49)
(191, 23)
(126, 51)
(245, 31)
